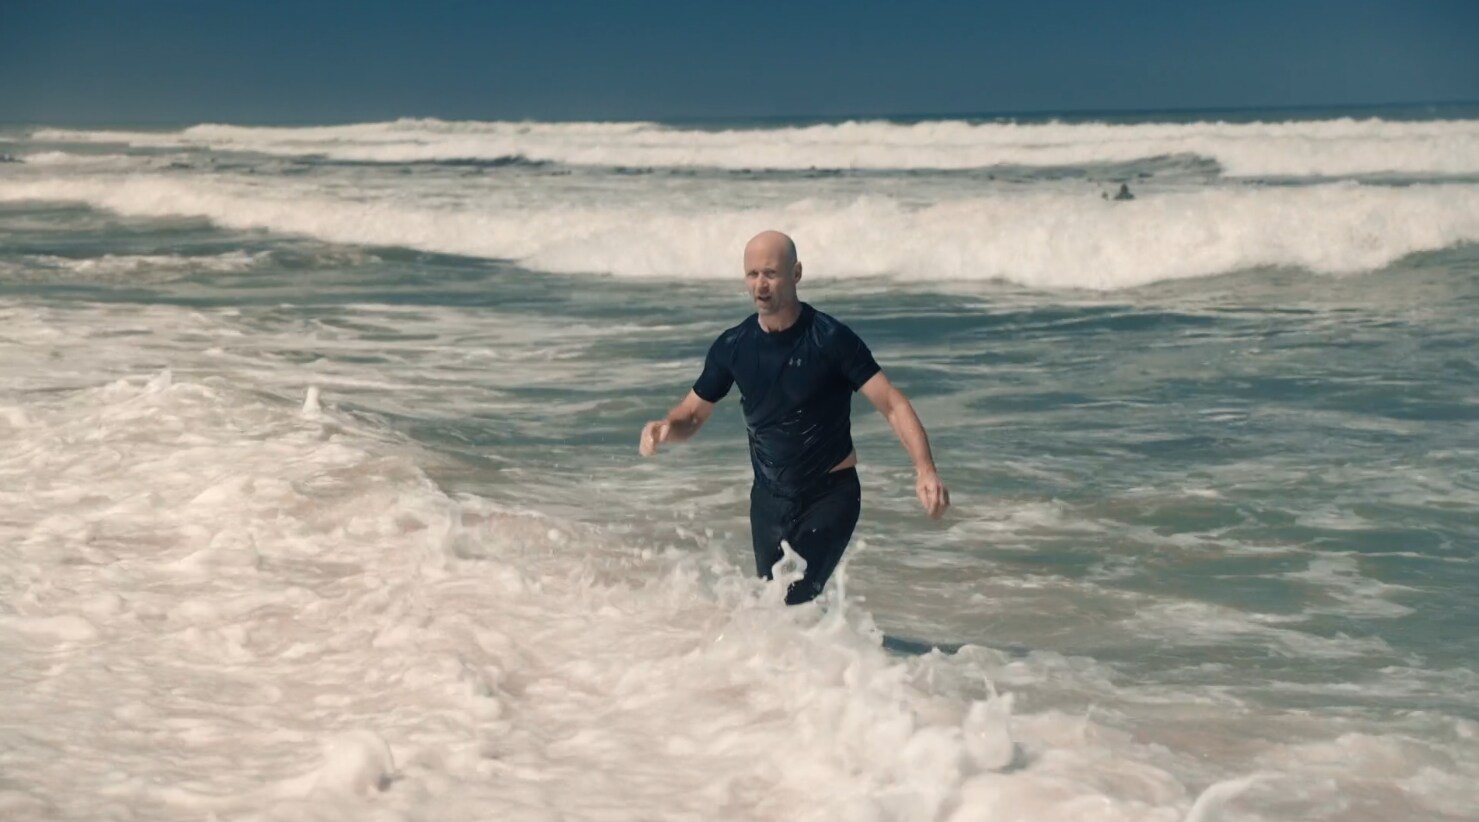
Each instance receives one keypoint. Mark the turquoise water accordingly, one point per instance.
(1214, 452)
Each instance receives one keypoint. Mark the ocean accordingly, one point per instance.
(320, 495)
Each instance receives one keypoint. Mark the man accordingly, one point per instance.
(797, 368)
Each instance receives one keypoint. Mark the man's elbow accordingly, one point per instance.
(894, 406)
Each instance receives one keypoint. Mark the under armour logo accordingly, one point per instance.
(795, 361)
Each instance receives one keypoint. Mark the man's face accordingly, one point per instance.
(770, 276)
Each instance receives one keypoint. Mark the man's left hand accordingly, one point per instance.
(933, 494)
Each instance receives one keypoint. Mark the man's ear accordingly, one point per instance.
(798, 271)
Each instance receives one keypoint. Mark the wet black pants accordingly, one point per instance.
(817, 524)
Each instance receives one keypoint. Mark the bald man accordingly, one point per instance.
(797, 369)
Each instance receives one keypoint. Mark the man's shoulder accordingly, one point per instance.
(736, 332)
(828, 327)
(822, 319)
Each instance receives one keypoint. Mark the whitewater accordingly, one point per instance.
(319, 494)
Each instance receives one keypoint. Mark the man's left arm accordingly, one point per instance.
(895, 408)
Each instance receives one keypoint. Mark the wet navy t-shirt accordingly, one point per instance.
(796, 389)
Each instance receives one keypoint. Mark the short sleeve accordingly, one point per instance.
(716, 378)
(853, 358)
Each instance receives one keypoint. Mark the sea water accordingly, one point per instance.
(319, 492)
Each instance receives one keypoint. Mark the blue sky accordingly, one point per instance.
(322, 60)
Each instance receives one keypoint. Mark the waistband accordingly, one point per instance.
(817, 488)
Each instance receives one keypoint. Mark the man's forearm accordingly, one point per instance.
(910, 432)
(682, 426)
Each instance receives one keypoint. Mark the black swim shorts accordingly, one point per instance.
(817, 524)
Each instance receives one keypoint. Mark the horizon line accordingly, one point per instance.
(818, 118)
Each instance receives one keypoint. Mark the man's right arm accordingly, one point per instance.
(681, 423)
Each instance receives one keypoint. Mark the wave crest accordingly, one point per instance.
(1327, 148)
(1034, 239)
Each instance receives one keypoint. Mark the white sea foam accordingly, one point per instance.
(134, 267)
(225, 607)
(64, 158)
(1339, 578)
(1194, 624)
(1037, 239)
(1311, 148)
(254, 608)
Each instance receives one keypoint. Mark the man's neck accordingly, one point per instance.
(780, 320)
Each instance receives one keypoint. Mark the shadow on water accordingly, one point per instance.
(905, 646)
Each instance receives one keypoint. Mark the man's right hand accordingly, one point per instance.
(653, 433)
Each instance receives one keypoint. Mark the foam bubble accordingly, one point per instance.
(355, 762)
(312, 408)
(59, 628)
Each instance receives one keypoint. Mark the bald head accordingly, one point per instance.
(771, 245)
(771, 274)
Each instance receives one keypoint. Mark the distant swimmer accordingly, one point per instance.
(797, 368)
